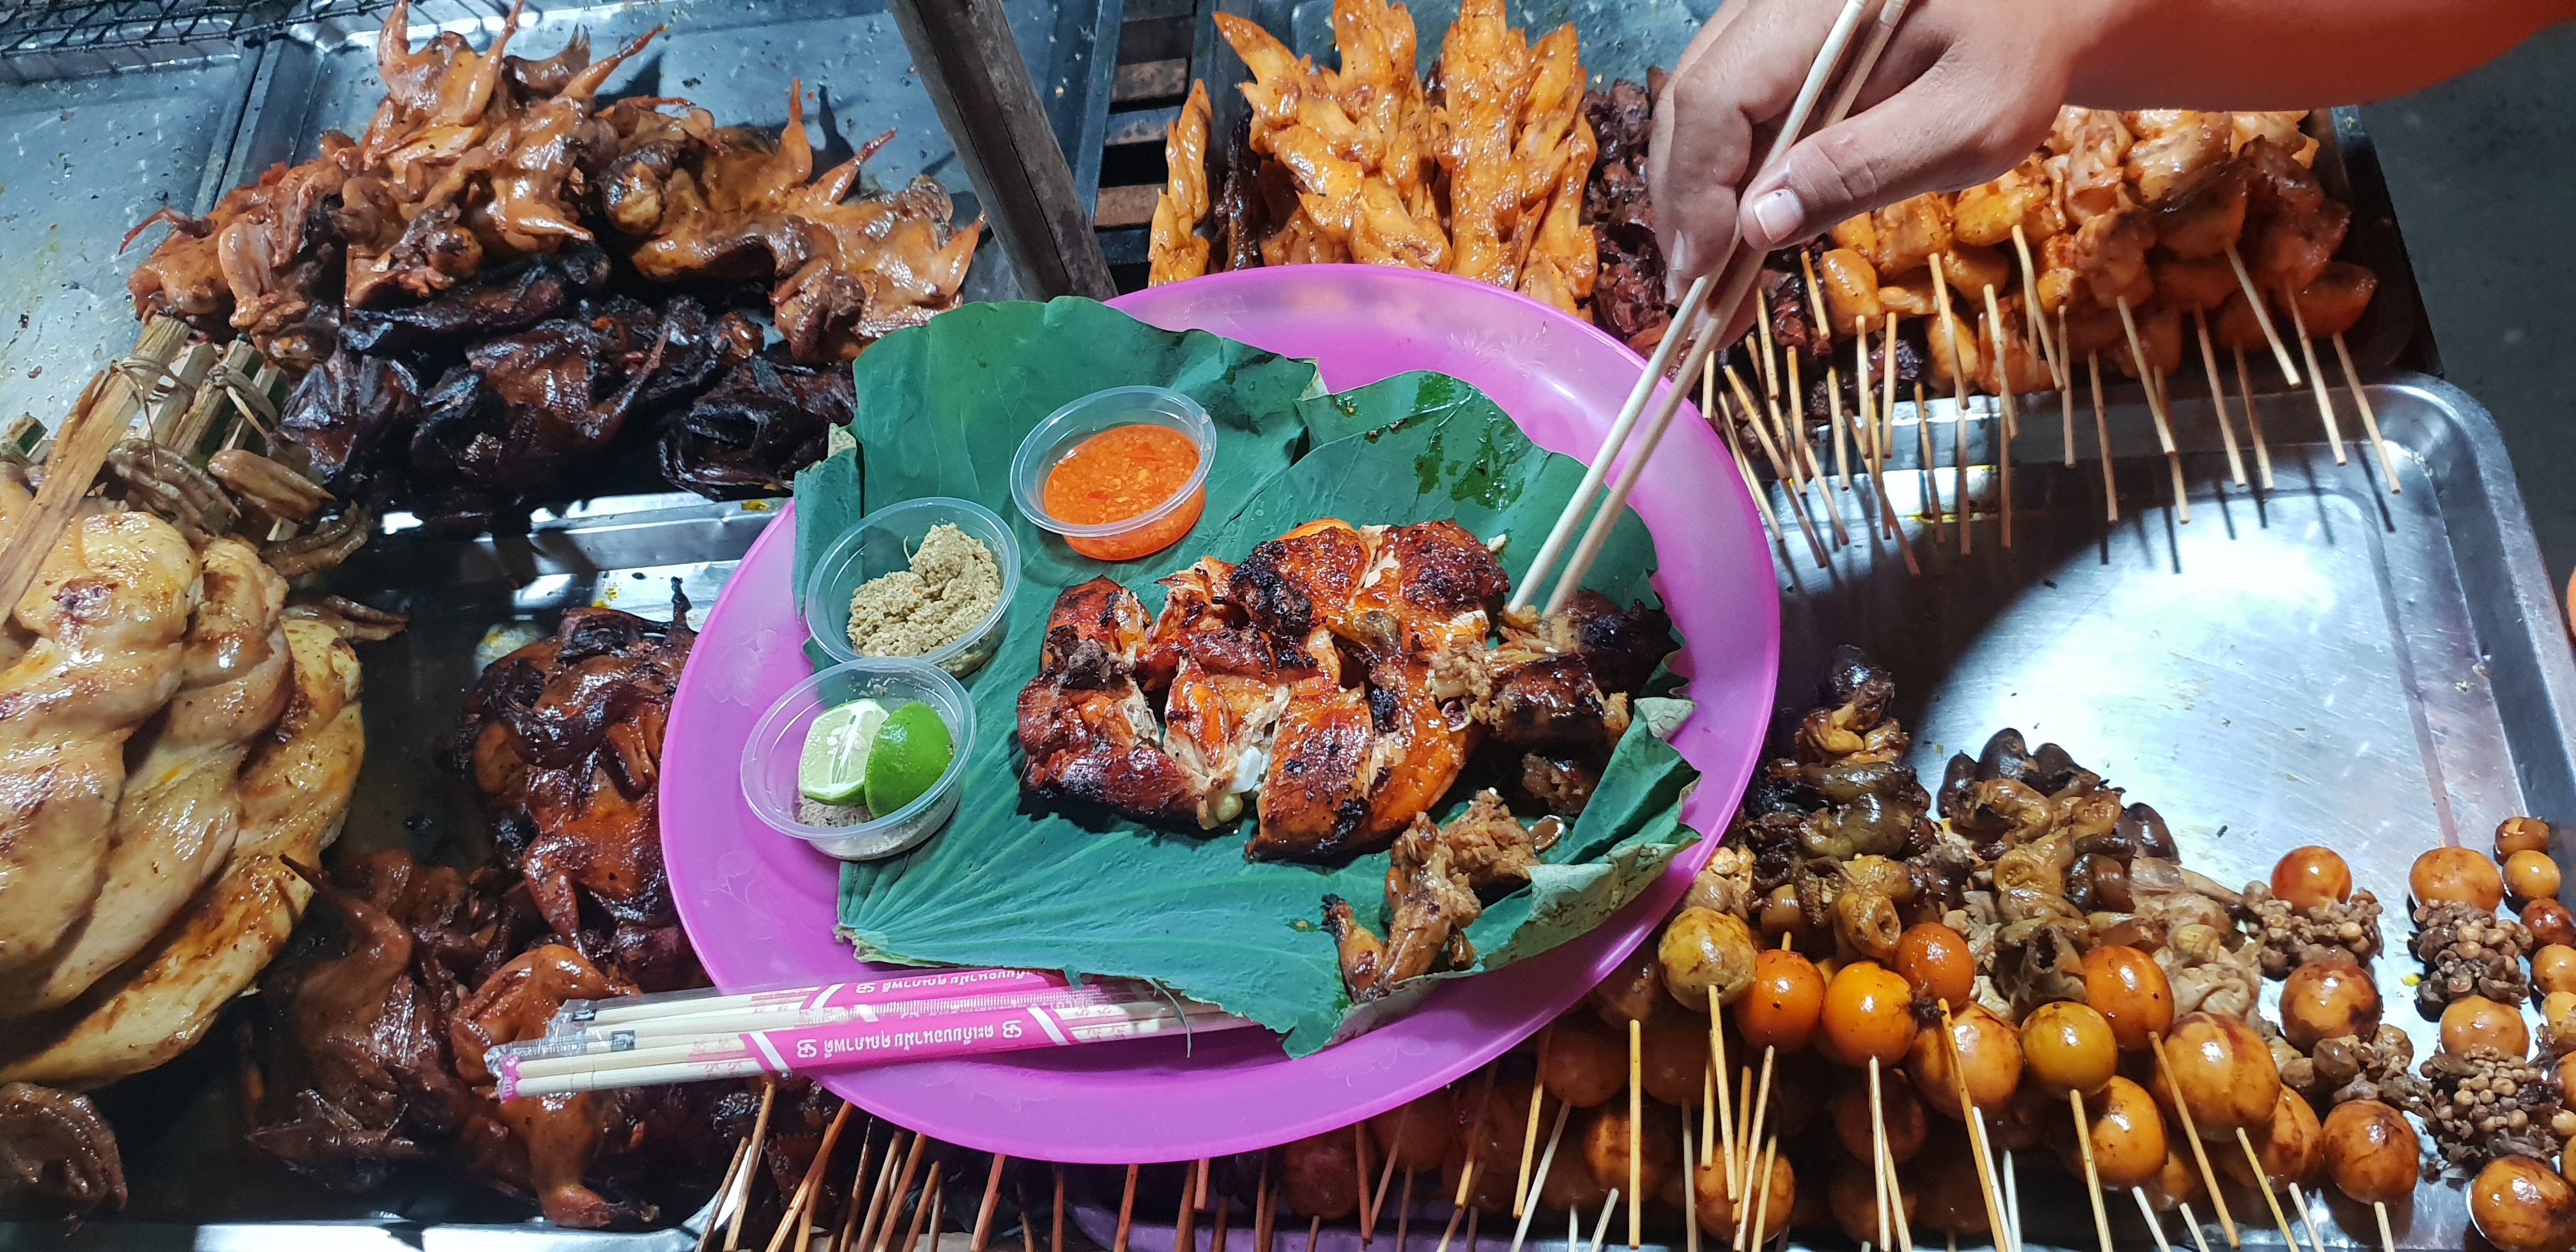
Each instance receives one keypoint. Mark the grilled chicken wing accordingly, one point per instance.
(1084, 724)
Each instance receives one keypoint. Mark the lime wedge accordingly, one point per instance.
(833, 768)
(912, 750)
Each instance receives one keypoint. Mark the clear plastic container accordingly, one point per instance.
(769, 757)
(1157, 527)
(883, 543)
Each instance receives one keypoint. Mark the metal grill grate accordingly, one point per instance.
(47, 39)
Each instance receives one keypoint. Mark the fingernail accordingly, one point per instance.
(1777, 215)
(1677, 264)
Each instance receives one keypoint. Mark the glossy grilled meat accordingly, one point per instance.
(563, 740)
(551, 1141)
(1084, 723)
(1335, 665)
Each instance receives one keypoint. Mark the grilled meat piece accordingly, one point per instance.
(505, 300)
(1084, 724)
(759, 425)
(351, 415)
(563, 740)
(355, 1076)
(1227, 683)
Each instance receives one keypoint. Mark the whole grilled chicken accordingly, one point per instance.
(107, 613)
(294, 792)
(181, 811)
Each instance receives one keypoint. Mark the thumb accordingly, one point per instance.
(1926, 137)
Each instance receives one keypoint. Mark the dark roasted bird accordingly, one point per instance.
(563, 741)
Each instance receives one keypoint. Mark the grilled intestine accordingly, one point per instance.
(478, 291)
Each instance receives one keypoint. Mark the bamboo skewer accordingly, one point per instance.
(2102, 440)
(2316, 379)
(1841, 428)
(2156, 407)
(2191, 1132)
(1887, 391)
(98, 420)
(2033, 315)
(2148, 1212)
(859, 1186)
(1538, 1096)
(1028, 1224)
(1185, 1223)
(2369, 418)
(2218, 398)
(2012, 1197)
(927, 1207)
(2270, 1196)
(984, 1210)
(1724, 424)
(1545, 1159)
(902, 1188)
(2253, 421)
(2387, 1241)
(725, 1190)
(2012, 416)
(1403, 1214)
(2192, 1222)
(1127, 1209)
(1224, 1209)
(1878, 1152)
(1725, 1106)
(1780, 471)
(2263, 318)
(1932, 510)
(1823, 322)
(1314, 1230)
(1795, 436)
(1762, 1199)
(1766, 370)
(2307, 1219)
(1976, 1124)
(1636, 1135)
(2092, 1174)
(1762, 504)
(1949, 325)
(1601, 1227)
(750, 1165)
(1372, 1202)
(1055, 1233)
(1265, 1209)
(1690, 1193)
(809, 1188)
(869, 1227)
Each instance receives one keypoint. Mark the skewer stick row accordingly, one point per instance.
(2369, 417)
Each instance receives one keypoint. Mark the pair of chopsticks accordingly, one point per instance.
(1697, 322)
(693, 1037)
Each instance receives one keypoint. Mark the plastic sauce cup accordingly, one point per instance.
(882, 543)
(1158, 526)
(769, 757)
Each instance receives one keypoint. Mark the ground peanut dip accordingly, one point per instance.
(952, 584)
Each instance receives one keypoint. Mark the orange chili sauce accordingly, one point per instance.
(1121, 473)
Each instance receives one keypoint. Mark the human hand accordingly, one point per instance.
(1964, 91)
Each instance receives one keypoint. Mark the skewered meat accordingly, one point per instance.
(1628, 289)
(2292, 249)
(1174, 250)
(1986, 214)
(294, 792)
(749, 433)
(2173, 147)
(180, 809)
(2201, 217)
(499, 301)
(108, 610)
(2333, 301)
(563, 740)
(58, 1147)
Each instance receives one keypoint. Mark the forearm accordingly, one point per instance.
(2291, 54)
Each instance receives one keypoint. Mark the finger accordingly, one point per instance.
(1946, 129)
(1748, 74)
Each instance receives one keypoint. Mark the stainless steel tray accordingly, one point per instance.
(2318, 663)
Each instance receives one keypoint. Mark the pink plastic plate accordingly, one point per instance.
(760, 906)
